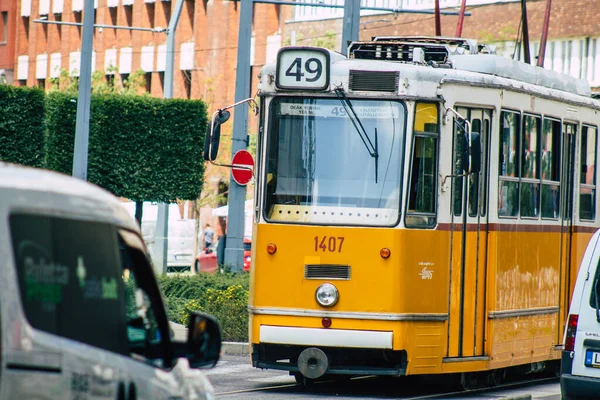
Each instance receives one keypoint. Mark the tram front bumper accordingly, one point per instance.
(349, 352)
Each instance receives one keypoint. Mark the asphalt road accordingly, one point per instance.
(234, 378)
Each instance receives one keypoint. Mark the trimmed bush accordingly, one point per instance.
(223, 295)
(140, 148)
(229, 306)
(22, 125)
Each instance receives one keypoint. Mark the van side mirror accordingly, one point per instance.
(475, 152)
(204, 341)
(213, 134)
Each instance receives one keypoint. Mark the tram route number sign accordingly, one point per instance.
(242, 167)
(302, 68)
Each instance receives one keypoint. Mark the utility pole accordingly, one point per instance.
(461, 18)
(161, 236)
(525, 32)
(82, 124)
(351, 24)
(234, 250)
(544, 39)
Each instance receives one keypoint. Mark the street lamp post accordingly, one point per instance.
(82, 124)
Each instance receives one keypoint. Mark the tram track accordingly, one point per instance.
(442, 395)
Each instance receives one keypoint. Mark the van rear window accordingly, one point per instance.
(70, 281)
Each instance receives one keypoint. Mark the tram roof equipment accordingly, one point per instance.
(462, 54)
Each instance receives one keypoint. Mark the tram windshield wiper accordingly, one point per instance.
(360, 129)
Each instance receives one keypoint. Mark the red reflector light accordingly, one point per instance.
(271, 248)
(571, 332)
(326, 322)
(385, 253)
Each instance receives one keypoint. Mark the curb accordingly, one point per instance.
(230, 348)
(235, 348)
(518, 397)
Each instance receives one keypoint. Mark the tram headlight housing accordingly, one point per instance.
(327, 295)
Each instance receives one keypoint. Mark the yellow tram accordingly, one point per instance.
(422, 207)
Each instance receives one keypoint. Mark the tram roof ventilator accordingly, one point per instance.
(462, 54)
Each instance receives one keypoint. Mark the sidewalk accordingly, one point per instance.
(232, 348)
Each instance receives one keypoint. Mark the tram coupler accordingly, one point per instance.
(313, 363)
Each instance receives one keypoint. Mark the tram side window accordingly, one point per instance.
(587, 180)
(485, 149)
(550, 161)
(478, 183)
(424, 160)
(480, 123)
(530, 174)
(508, 185)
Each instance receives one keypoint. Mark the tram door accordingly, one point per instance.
(469, 235)
(566, 206)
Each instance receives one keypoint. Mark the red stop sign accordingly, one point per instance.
(242, 167)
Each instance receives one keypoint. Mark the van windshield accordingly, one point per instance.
(69, 276)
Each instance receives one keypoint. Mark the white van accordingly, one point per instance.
(81, 314)
(580, 366)
(180, 241)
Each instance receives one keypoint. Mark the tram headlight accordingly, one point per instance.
(327, 295)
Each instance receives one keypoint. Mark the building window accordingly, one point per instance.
(4, 28)
(124, 80)
(187, 83)
(110, 80)
(148, 77)
(150, 10)
(161, 76)
(190, 12)
(41, 83)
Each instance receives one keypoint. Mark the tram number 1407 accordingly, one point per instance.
(330, 244)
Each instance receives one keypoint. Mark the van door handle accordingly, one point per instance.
(121, 391)
(132, 391)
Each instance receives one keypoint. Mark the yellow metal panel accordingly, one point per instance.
(426, 113)
(396, 285)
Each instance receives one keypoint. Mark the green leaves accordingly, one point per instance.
(22, 125)
(140, 148)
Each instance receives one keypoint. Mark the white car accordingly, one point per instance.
(580, 366)
(81, 314)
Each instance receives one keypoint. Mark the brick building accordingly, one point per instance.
(8, 12)
(573, 39)
(206, 43)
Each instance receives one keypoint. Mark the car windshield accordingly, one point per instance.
(319, 169)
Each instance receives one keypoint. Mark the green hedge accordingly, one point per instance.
(223, 295)
(22, 125)
(141, 148)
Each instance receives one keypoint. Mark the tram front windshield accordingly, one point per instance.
(323, 169)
